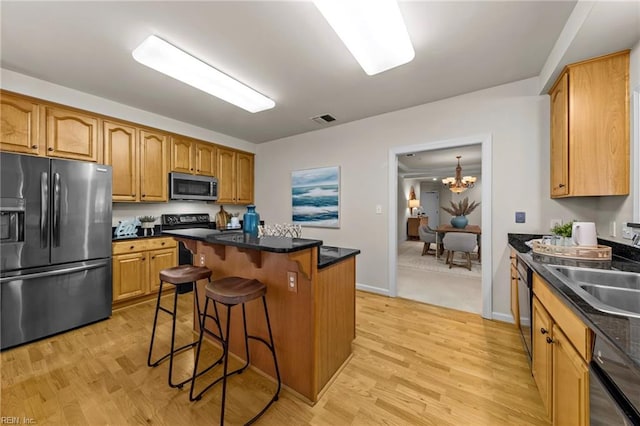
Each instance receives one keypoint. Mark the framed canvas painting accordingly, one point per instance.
(315, 197)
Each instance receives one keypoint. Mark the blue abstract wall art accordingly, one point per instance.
(315, 197)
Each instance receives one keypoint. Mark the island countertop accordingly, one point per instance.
(327, 255)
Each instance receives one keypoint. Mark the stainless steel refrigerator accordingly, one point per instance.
(55, 246)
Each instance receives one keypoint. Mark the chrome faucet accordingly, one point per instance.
(636, 239)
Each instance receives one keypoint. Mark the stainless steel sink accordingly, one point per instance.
(614, 292)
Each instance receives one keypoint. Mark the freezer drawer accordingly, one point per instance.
(50, 300)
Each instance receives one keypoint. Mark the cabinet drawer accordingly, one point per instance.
(133, 246)
(159, 243)
(575, 330)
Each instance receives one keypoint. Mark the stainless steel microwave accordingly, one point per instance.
(191, 187)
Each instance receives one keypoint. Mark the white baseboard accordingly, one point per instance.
(371, 289)
(499, 316)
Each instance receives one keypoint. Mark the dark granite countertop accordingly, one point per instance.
(326, 255)
(622, 332)
(330, 255)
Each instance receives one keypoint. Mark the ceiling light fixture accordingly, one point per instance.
(459, 184)
(373, 31)
(168, 59)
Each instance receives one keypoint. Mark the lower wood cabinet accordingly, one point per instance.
(562, 346)
(137, 265)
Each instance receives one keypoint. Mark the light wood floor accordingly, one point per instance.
(413, 364)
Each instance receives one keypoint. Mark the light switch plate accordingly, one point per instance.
(520, 217)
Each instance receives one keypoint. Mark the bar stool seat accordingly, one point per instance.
(232, 291)
(179, 276)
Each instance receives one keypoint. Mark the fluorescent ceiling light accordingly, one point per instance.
(168, 59)
(373, 31)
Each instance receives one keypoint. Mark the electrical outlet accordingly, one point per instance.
(292, 281)
(612, 228)
(378, 209)
(201, 259)
(627, 233)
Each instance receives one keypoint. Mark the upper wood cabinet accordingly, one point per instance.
(192, 157)
(154, 167)
(590, 128)
(235, 177)
(71, 134)
(122, 153)
(19, 125)
(139, 160)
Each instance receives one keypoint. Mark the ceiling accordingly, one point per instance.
(283, 49)
(441, 163)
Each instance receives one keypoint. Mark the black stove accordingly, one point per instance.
(184, 221)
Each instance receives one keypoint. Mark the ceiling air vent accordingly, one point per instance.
(323, 119)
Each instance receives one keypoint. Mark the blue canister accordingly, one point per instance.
(250, 221)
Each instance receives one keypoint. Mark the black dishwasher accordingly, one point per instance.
(614, 388)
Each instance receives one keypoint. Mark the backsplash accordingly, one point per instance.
(122, 211)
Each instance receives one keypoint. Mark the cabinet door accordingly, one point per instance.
(226, 176)
(19, 130)
(244, 178)
(121, 152)
(541, 367)
(560, 137)
(153, 166)
(598, 126)
(570, 383)
(181, 155)
(205, 159)
(159, 260)
(71, 134)
(130, 275)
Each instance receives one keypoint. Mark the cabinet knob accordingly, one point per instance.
(191, 168)
(144, 258)
(34, 146)
(549, 340)
(144, 195)
(152, 257)
(50, 149)
(133, 195)
(561, 185)
(131, 248)
(543, 331)
(163, 243)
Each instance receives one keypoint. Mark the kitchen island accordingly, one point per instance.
(310, 294)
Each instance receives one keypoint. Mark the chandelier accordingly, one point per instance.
(459, 184)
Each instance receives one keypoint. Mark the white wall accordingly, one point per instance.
(515, 116)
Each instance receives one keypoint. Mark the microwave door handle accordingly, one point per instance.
(44, 209)
(56, 209)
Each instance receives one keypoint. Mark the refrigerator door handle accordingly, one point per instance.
(56, 209)
(44, 209)
(63, 271)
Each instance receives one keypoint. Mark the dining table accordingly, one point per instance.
(443, 229)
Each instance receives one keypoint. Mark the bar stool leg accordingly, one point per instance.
(173, 337)
(153, 330)
(225, 343)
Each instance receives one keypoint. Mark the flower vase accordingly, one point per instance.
(250, 221)
(459, 222)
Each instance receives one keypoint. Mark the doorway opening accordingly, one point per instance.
(401, 178)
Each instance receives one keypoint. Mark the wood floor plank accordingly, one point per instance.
(413, 364)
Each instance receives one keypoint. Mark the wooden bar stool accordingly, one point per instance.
(231, 291)
(179, 276)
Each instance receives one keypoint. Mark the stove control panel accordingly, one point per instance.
(185, 219)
